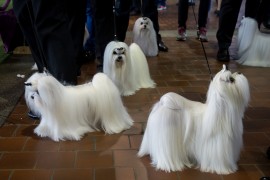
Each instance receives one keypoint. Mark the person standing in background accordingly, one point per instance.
(227, 21)
(54, 31)
(104, 23)
(183, 7)
(89, 46)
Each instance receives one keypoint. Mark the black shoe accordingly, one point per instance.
(162, 46)
(265, 178)
(223, 55)
(268, 152)
(32, 115)
(217, 12)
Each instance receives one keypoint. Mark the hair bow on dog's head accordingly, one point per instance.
(28, 84)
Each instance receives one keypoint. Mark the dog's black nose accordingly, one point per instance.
(119, 58)
(32, 97)
(144, 26)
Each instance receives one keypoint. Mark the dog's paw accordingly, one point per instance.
(128, 93)
(41, 131)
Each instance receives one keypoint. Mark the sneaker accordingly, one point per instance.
(201, 34)
(182, 35)
(160, 8)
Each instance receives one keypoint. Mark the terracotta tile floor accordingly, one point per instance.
(183, 70)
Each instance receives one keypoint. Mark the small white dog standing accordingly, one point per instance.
(127, 67)
(68, 112)
(253, 45)
(145, 36)
(183, 133)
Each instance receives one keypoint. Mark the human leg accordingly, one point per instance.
(90, 42)
(122, 19)
(52, 23)
(136, 7)
(182, 18)
(149, 9)
(24, 14)
(202, 19)
(182, 13)
(227, 20)
(77, 28)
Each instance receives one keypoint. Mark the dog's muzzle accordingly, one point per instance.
(119, 52)
(119, 59)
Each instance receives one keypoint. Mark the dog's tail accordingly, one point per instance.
(109, 107)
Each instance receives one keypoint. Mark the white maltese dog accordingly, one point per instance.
(127, 67)
(208, 136)
(68, 112)
(253, 45)
(145, 36)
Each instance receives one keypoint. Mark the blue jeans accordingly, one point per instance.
(90, 43)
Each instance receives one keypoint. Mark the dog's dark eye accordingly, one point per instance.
(146, 23)
(231, 79)
(114, 52)
(141, 23)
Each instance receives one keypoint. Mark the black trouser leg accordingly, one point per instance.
(182, 13)
(52, 23)
(227, 20)
(203, 12)
(24, 14)
(149, 9)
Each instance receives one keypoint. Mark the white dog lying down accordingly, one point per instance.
(183, 133)
(127, 67)
(253, 45)
(68, 112)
